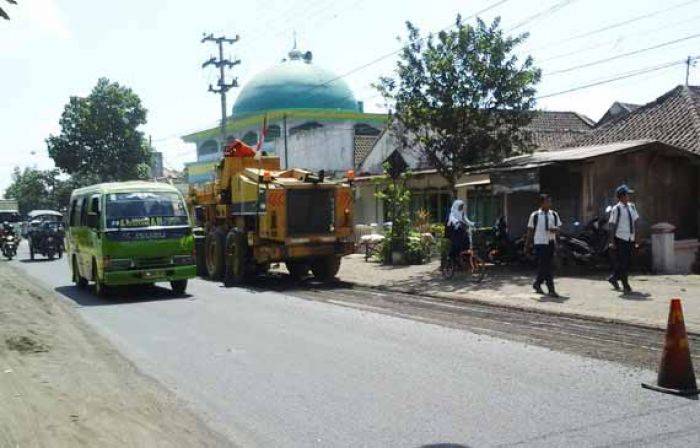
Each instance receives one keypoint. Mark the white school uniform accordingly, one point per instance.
(620, 212)
(547, 223)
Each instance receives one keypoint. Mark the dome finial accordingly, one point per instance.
(295, 54)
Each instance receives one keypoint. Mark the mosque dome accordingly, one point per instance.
(295, 83)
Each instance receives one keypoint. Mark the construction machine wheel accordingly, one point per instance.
(215, 242)
(297, 269)
(235, 260)
(325, 269)
(262, 269)
(200, 249)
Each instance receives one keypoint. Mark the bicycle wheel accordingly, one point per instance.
(479, 270)
(448, 269)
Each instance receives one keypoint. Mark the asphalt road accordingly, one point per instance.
(334, 367)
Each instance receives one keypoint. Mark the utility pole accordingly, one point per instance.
(222, 64)
(284, 125)
(690, 62)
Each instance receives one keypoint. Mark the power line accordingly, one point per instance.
(551, 10)
(614, 41)
(622, 55)
(619, 77)
(326, 14)
(311, 9)
(617, 24)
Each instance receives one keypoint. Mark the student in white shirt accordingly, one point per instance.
(622, 223)
(542, 229)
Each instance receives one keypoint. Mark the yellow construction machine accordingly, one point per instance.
(255, 214)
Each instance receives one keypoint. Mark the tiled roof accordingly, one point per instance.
(617, 109)
(673, 118)
(550, 130)
(363, 146)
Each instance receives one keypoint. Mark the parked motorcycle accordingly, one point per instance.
(504, 250)
(585, 246)
(47, 240)
(9, 246)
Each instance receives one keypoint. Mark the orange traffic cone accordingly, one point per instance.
(676, 374)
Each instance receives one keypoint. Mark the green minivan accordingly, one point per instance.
(129, 233)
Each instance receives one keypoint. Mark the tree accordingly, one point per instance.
(461, 98)
(3, 14)
(33, 189)
(99, 135)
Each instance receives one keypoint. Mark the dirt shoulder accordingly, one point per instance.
(63, 385)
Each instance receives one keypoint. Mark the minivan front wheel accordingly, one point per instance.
(101, 290)
(80, 281)
(179, 286)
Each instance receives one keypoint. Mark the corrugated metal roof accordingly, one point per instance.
(572, 154)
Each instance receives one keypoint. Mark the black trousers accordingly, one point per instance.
(545, 254)
(621, 261)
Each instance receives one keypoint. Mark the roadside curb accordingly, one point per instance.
(526, 309)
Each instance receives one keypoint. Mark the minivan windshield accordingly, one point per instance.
(145, 209)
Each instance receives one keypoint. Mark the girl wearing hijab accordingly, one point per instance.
(458, 229)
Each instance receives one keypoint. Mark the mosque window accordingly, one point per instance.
(250, 138)
(365, 129)
(273, 132)
(208, 147)
(308, 126)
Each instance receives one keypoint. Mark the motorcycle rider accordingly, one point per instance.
(623, 217)
(542, 229)
(7, 229)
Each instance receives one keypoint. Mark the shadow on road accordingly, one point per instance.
(444, 445)
(635, 295)
(39, 260)
(558, 299)
(283, 282)
(279, 282)
(119, 296)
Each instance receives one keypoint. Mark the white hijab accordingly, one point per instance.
(459, 217)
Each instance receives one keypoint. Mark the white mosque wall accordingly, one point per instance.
(328, 148)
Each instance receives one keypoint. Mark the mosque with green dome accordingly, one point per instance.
(314, 120)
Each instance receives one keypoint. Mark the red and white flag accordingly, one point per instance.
(261, 140)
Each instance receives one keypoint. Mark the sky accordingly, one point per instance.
(51, 50)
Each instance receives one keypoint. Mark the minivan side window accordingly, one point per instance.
(72, 221)
(83, 212)
(95, 204)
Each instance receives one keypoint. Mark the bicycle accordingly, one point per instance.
(467, 261)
